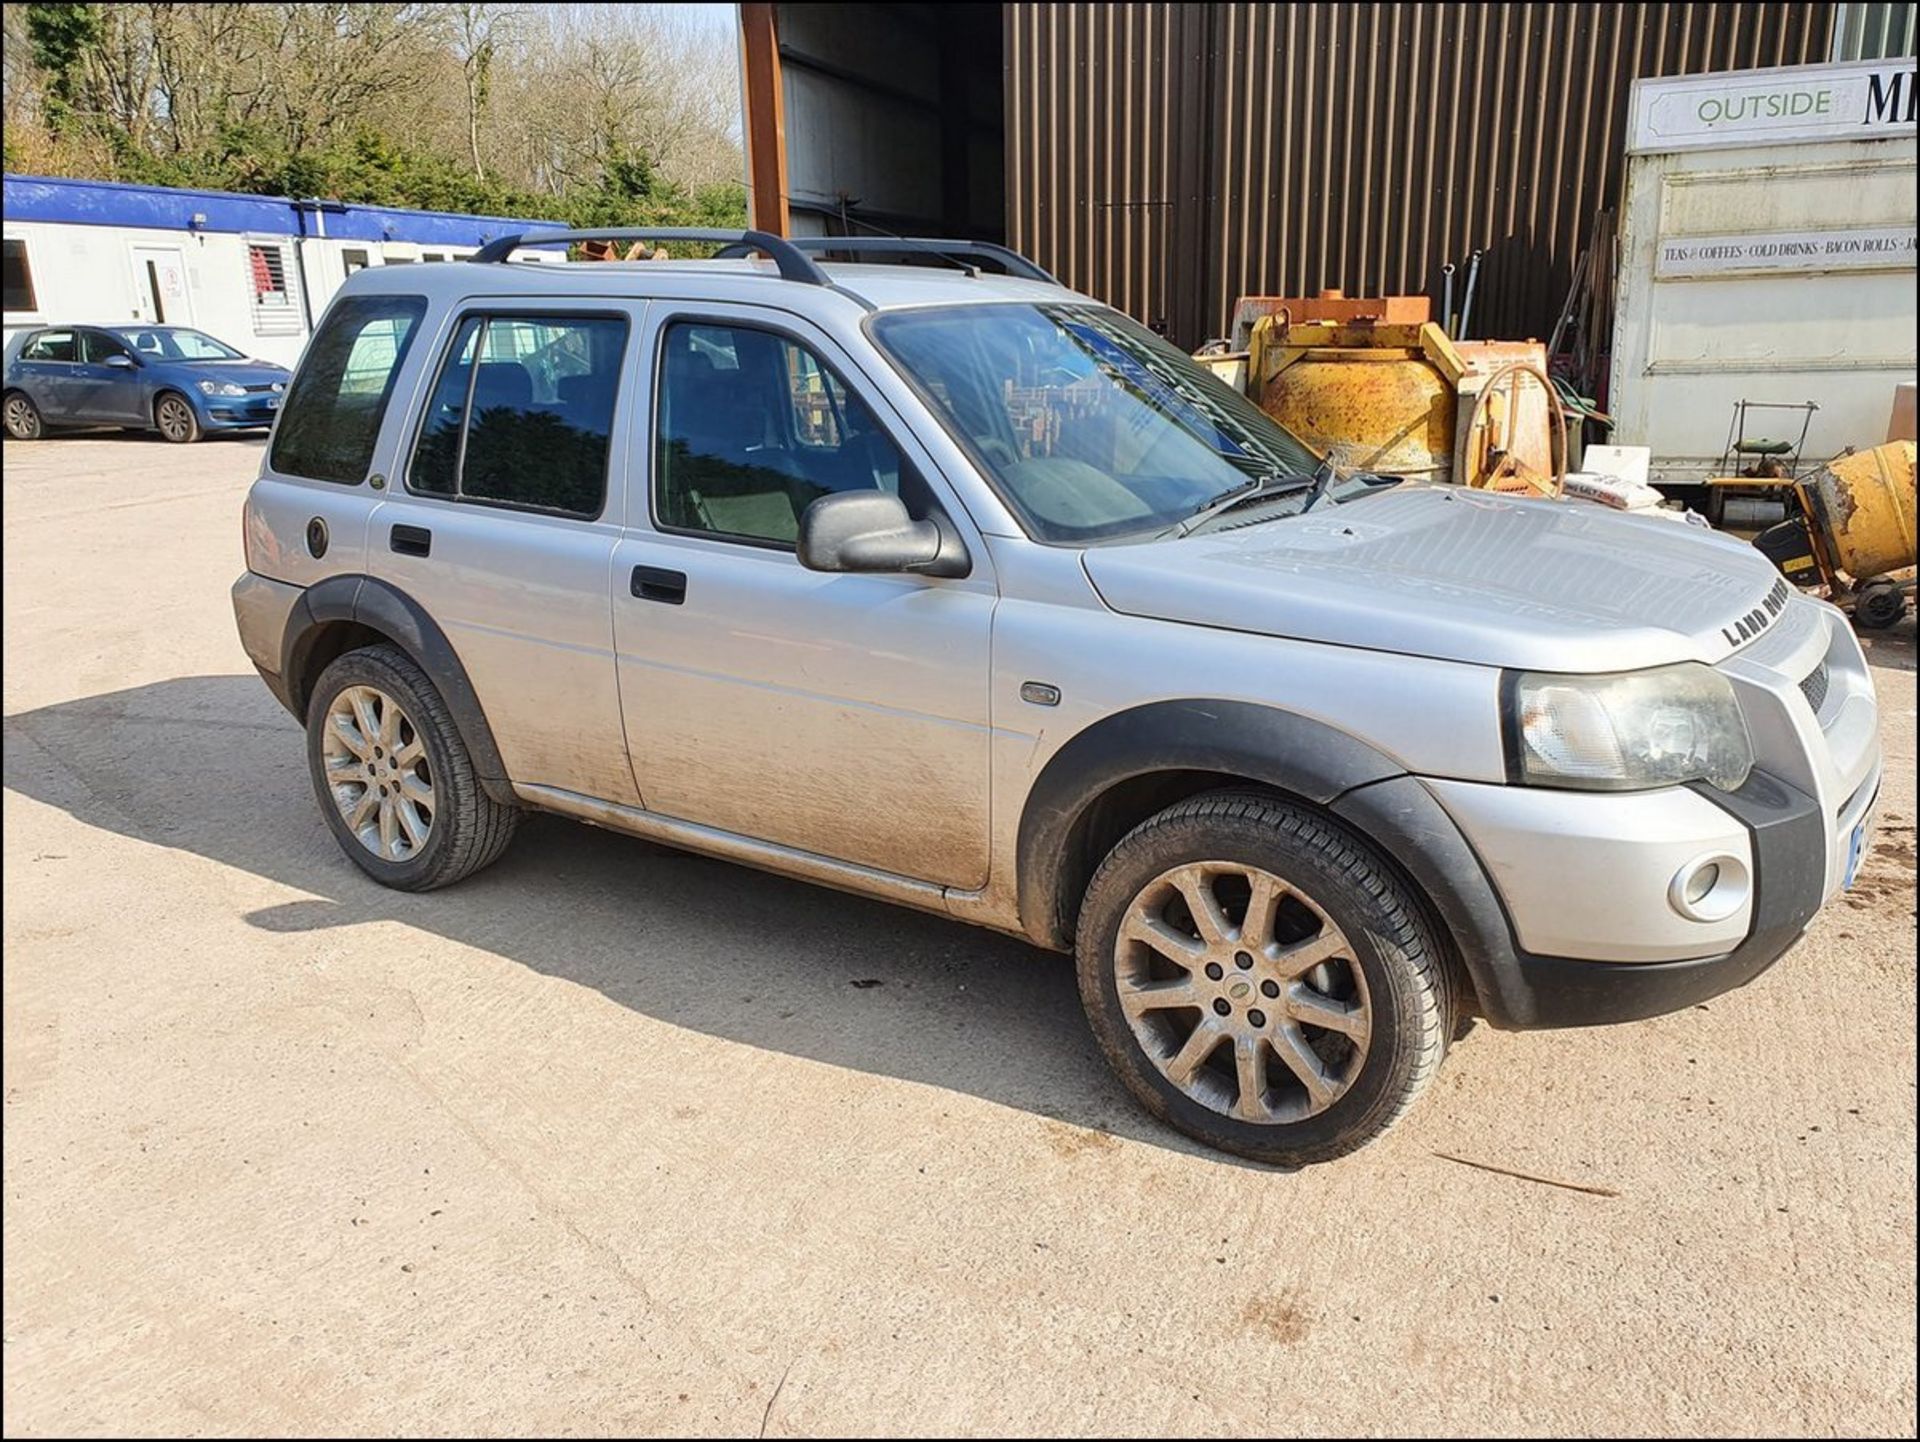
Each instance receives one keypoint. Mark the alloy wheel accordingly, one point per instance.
(378, 773)
(1243, 992)
(175, 419)
(22, 420)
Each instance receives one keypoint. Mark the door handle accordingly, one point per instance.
(651, 583)
(411, 540)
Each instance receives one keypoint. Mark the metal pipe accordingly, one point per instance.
(1446, 294)
(1466, 305)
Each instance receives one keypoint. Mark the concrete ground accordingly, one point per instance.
(615, 1139)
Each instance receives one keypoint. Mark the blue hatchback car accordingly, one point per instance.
(166, 378)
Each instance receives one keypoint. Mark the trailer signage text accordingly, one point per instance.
(1793, 105)
(1871, 248)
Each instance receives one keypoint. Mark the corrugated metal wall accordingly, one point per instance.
(1169, 158)
(1870, 32)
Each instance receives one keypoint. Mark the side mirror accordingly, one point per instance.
(870, 531)
(121, 362)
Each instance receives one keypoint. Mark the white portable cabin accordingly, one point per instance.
(1766, 254)
(255, 271)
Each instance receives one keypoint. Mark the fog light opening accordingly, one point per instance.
(1710, 888)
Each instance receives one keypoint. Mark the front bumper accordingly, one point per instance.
(234, 415)
(1788, 831)
(1787, 838)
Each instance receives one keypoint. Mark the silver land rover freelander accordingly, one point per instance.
(941, 583)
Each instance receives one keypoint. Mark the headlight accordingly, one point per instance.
(1631, 731)
(221, 388)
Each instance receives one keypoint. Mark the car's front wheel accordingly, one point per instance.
(22, 417)
(393, 776)
(174, 418)
(1261, 980)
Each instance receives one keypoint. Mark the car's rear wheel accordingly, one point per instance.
(1261, 980)
(22, 417)
(174, 418)
(393, 776)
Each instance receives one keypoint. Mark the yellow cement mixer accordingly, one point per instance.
(1374, 385)
(1406, 400)
(1853, 532)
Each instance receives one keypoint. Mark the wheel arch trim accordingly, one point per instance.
(1263, 744)
(1350, 781)
(385, 608)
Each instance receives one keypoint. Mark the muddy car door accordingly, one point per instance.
(843, 715)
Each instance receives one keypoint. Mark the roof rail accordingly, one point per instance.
(1012, 261)
(793, 264)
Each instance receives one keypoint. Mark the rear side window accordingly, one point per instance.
(51, 345)
(522, 412)
(335, 405)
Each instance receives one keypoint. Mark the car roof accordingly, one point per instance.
(853, 286)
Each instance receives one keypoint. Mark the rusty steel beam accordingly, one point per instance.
(766, 119)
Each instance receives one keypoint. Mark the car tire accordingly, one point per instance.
(393, 776)
(22, 417)
(1328, 1012)
(175, 418)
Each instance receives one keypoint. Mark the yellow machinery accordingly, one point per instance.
(1404, 399)
(1855, 528)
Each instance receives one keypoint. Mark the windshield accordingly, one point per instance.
(1090, 426)
(166, 343)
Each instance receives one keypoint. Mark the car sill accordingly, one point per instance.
(730, 846)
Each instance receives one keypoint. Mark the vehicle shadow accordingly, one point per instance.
(699, 943)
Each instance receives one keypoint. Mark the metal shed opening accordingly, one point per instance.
(894, 114)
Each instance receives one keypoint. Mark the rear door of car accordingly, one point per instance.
(502, 517)
(47, 371)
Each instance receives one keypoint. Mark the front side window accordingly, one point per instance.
(337, 401)
(522, 413)
(753, 428)
(19, 277)
(98, 346)
(51, 345)
(1090, 427)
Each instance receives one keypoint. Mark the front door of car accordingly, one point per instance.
(107, 381)
(844, 715)
(502, 519)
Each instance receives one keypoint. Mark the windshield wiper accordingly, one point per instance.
(1259, 488)
(1323, 476)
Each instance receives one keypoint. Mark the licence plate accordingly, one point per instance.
(1857, 849)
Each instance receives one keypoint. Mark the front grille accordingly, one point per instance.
(1813, 686)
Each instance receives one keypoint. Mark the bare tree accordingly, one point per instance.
(479, 31)
(554, 99)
